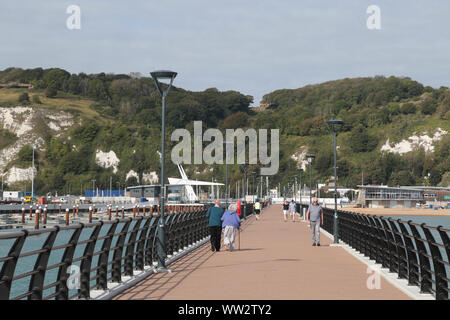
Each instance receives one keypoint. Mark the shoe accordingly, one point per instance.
(212, 249)
(314, 244)
(318, 244)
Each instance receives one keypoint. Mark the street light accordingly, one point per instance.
(335, 126)
(300, 170)
(225, 143)
(295, 188)
(244, 167)
(253, 190)
(310, 157)
(157, 77)
(32, 175)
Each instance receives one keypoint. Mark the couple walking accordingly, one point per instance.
(228, 221)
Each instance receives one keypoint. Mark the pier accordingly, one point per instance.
(376, 258)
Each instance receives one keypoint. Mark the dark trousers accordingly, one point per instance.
(216, 235)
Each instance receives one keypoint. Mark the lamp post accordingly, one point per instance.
(32, 176)
(253, 191)
(161, 247)
(244, 167)
(300, 170)
(295, 188)
(310, 157)
(335, 126)
(225, 143)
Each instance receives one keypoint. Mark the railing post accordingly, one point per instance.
(61, 288)
(23, 215)
(85, 266)
(45, 216)
(439, 268)
(150, 241)
(413, 270)
(425, 266)
(102, 271)
(37, 279)
(141, 244)
(129, 253)
(117, 258)
(36, 220)
(67, 216)
(9, 266)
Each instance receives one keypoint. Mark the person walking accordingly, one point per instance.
(257, 209)
(215, 225)
(230, 224)
(285, 209)
(292, 206)
(238, 205)
(314, 216)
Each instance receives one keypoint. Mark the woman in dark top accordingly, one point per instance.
(285, 209)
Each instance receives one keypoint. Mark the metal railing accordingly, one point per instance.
(418, 253)
(103, 251)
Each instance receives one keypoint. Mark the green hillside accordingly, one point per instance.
(122, 114)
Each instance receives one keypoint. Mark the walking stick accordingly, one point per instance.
(239, 231)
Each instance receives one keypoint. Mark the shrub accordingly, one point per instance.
(35, 99)
(24, 98)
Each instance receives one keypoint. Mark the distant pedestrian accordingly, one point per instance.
(315, 217)
(215, 225)
(285, 209)
(230, 224)
(238, 205)
(292, 209)
(257, 208)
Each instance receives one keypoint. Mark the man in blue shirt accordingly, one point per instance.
(215, 225)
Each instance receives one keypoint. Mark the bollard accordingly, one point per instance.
(23, 215)
(36, 220)
(40, 215)
(77, 211)
(60, 209)
(123, 212)
(143, 210)
(31, 211)
(93, 209)
(73, 212)
(151, 210)
(134, 212)
(90, 214)
(117, 211)
(67, 216)
(45, 215)
(109, 213)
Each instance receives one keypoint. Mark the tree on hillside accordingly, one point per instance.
(361, 140)
(428, 106)
(51, 91)
(24, 98)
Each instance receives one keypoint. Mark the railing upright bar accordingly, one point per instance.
(62, 291)
(37, 279)
(86, 262)
(9, 267)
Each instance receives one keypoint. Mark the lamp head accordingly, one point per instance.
(335, 126)
(160, 75)
(310, 157)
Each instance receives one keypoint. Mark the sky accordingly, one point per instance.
(252, 46)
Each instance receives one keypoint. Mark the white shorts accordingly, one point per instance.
(285, 211)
